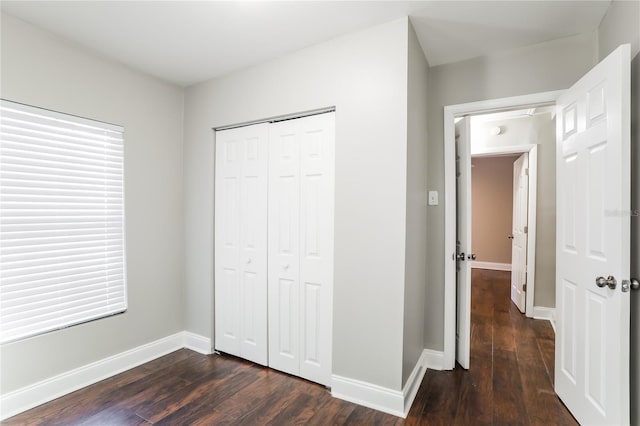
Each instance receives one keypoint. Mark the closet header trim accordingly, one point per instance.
(278, 118)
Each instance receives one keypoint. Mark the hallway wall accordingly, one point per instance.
(492, 208)
(543, 67)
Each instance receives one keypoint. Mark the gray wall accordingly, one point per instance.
(41, 70)
(416, 231)
(622, 25)
(365, 76)
(548, 66)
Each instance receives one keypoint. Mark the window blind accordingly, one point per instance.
(62, 245)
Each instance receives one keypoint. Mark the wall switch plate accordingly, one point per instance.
(433, 198)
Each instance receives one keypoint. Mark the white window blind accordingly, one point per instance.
(62, 251)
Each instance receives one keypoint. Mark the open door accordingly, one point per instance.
(463, 242)
(592, 243)
(519, 231)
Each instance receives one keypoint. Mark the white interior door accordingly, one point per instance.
(284, 246)
(463, 242)
(301, 187)
(519, 231)
(241, 242)
(316, 135)
(227, 241)
(593, 204)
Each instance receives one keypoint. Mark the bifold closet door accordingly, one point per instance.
(301, 188)
(241, 187)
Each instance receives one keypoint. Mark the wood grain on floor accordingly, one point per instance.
(510, 382)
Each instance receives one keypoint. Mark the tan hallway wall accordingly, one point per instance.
(492, 208)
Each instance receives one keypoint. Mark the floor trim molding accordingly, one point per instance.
(395, 402)
(49, 389)
(197, 343)
(476, 264)
(367, 394)
(433, 359)
(390, 401)
(544, 313)
(410, 389)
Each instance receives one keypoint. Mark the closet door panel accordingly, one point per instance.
(227, 241)
(284, 201)
(317, 136)
(253, 243)
(241, 242)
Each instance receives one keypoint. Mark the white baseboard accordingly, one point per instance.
(410, 389)
(549, 314)
(197, 343)
(38, 393)
(367, 394)
(476, 264)
(433, 359)
(390, 401)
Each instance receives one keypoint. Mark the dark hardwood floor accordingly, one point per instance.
(510, 377)
(509, 383)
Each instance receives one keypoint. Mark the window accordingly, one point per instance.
(62, 251)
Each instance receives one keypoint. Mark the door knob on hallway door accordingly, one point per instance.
(632, 284)
(460, 256)
(610, 281)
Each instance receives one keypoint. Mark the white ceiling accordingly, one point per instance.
(186, 42)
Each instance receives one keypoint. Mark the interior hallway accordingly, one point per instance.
(510, 379)
(509, 382)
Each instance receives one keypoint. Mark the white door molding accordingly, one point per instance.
(450, 112)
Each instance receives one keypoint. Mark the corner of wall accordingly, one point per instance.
(416, 206)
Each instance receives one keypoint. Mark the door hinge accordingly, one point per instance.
(524, 287)
(526, 229)
(526, 172)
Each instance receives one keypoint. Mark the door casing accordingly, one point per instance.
(450, 209)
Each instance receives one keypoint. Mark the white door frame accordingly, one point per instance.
(450, 112)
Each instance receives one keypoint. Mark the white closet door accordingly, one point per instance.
(227, 241)
(284, 253)
(301, 192)
(316, 135)
(241, 242)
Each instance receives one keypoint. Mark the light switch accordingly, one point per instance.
(433, 198)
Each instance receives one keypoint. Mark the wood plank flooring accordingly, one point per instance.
(509, 383)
